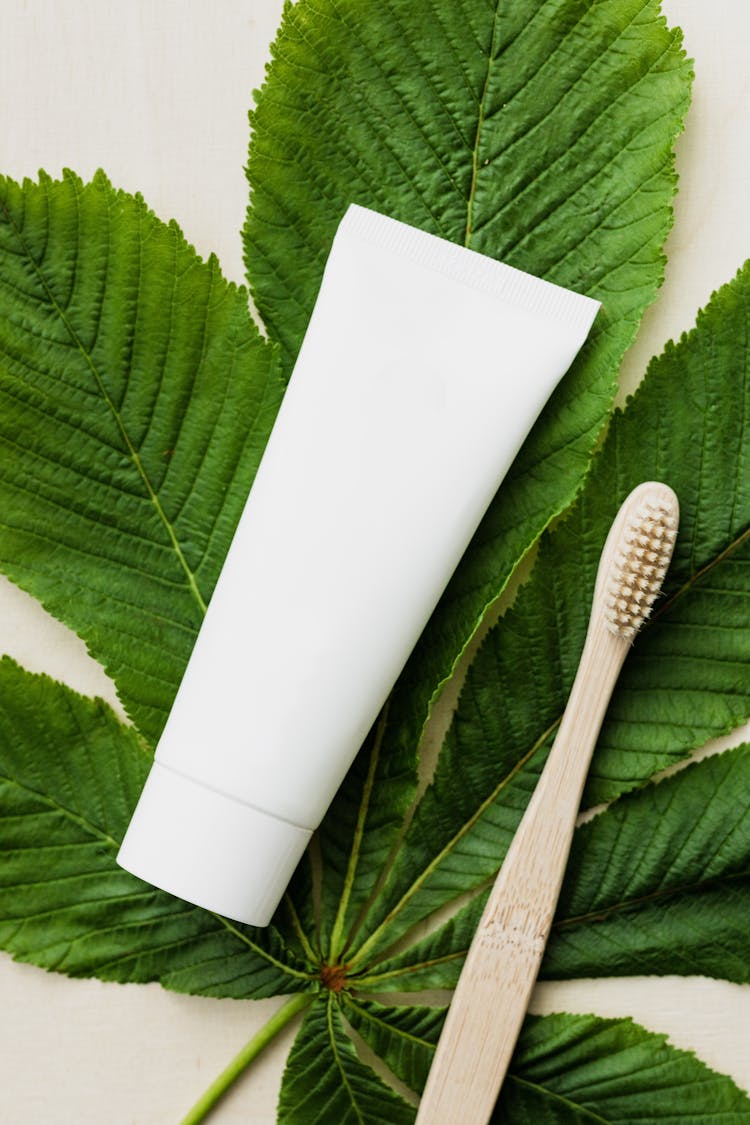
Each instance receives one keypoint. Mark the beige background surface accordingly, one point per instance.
(156, 92)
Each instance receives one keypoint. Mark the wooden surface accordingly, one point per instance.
(156, 92)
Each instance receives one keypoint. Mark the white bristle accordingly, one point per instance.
(640, 563)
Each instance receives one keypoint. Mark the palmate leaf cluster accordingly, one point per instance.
(136, 399)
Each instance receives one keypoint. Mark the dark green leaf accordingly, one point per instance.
(581, 1069)
(660, 883)
(404, 1038)
(135, 400)
(136, 397)
(70, 775)
(569, 1069)
(326, 1082)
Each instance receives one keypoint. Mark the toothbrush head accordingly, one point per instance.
(637, 555)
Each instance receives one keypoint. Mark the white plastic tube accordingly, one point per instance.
(423, 368)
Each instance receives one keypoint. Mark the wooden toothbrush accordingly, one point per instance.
(493, 991)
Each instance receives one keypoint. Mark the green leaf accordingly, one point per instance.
(136, 396)
(539, 133)
(688, 678)
(404, 1038)
(568, 1069)
(584, 1069)
(658, 883)
(70, 774)
(325, 1081)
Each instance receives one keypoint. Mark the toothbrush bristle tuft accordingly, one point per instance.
(640, 565)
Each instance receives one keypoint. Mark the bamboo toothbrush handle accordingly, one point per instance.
(493, 992)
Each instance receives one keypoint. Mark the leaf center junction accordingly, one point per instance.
(334, 977)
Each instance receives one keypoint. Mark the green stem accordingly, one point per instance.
(250, 1051)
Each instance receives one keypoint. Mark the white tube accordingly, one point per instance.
(423, 368)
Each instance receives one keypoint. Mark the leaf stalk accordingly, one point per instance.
(243, 1058)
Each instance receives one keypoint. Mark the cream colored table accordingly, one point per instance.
(156, 92)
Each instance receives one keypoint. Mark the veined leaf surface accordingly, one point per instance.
(680, 904)
(658, 883)
(342, 1089)
(581, 1069)
(567, 1070)
(666, 875)
(538, 133)
(70, 774)
(136, 397)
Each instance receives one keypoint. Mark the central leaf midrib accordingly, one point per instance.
(547, 1093)
(478, 134)
(675, 891)
(337, 1058)
(129, 446)
(372, 940)
(409, 1036)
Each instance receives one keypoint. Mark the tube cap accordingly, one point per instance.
(210, 849)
